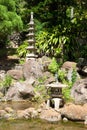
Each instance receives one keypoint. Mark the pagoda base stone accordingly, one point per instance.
(31, 56)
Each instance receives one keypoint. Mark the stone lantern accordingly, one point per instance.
(31, 40)
(55, 90)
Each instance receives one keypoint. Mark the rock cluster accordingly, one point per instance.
(33, 72)
(68, 112)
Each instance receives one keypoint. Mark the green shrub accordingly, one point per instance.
(41, 93)
(42, 43)
(67, 90)
(22, 50)
(40, 90)
(53, 66)
(7, 81)
(74, 76)
(61, 75)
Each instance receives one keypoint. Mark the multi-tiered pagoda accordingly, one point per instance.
(31, 40)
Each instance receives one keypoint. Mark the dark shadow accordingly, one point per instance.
(7, 60)
(7, 64)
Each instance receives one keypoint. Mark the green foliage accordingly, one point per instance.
(9, 20)
(53, 66)
(41, 42)
(67, 90)
(41, 93)
(51, 44)
(6, 82)
(56, 32)
(38, 27)
(22, 49)
(63, 41)
(62, 76)
(40, 90)
(66, 94)
(74, 76)
(9, 3)
(41, 80)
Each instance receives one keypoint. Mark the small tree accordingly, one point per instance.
(9, 20)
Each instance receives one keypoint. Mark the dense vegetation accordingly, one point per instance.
(9, 20)
(61, 26)
(60, 31)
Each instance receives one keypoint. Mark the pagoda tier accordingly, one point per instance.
(31, 48)
(30, 34)
(31, 29)
(31, 39)
(31, 56)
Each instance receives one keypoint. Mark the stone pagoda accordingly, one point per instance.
(31, 40)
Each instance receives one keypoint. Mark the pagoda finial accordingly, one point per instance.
(32, 15)
(31, 18)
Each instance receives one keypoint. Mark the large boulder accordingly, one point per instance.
(74, 112)
(20, 91)
(44, 61)
(15, 74)
(82, 67)
(48, 114)
(32, 68)
(68, 65)
(27, 113)
(36, 67)
(79, 91)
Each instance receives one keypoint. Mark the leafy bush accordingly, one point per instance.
(67, 90)
(40, 90)
(7, 81)
(62, 75)
(53, 66)
(74, 76)
(41, 93)
(22, 50)
(51, 44)
(41, 43)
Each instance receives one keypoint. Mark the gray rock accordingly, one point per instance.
(50, 115)
(15, 74)
(32, 68)
(44, 61)
(20, 91)
(68, 65)
(74, 112)
(27, 113)
(2, 74)
(82, 67)
(79, 91)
